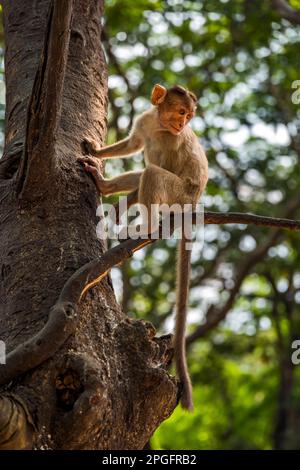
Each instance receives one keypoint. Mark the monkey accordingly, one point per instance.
(176, 172)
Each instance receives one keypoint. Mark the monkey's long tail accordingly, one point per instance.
(183, 279)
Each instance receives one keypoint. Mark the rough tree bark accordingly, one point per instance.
(103, 384)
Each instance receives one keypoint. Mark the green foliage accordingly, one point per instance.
(241, 59)
(235, 401)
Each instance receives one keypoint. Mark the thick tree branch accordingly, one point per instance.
(45, 103)
(63, 315)
(286, 11)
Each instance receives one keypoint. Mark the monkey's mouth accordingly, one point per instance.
(174, 130)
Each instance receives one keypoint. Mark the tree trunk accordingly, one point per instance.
(90, 378)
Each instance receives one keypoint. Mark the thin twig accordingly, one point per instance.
(250, 219)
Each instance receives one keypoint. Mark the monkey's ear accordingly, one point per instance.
(158, 94)
(193, 96)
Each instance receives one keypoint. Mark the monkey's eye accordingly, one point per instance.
(182, 112)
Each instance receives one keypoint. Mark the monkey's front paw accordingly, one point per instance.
(94, 167)
(89, 147)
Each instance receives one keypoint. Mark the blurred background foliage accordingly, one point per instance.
(241, 58)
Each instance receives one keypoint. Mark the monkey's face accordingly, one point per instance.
(175, 115)
(176, 107)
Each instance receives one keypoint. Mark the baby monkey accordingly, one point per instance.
(176, 173)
